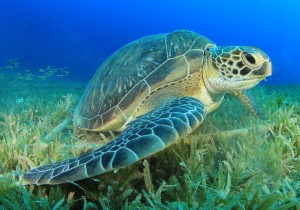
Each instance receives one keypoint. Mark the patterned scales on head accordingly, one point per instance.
(156, 90)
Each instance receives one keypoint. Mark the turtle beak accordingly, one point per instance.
(269, 69)
(265, 70)
(256, 76)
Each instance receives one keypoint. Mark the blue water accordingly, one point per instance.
(80, 35)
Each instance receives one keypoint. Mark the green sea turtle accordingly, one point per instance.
(155, 90)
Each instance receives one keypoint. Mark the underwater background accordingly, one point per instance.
(50, 49)
(80, 35)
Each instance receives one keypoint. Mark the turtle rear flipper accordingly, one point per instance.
(145, 136)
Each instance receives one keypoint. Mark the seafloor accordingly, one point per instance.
(232, 161)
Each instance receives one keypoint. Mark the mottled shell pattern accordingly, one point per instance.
(133, 73)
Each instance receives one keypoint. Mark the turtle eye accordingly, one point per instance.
(250, 58)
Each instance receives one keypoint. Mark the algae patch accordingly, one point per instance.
(220, 165)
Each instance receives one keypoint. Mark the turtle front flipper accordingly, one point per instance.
(249, 102)
(147, 135)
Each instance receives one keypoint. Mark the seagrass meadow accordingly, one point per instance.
(232, 161)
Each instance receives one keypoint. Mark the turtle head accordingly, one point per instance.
(234, 68)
